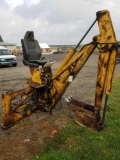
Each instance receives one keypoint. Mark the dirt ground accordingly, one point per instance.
(24, 140)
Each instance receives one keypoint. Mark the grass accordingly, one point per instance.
(77, 143)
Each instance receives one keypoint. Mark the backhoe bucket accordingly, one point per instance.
(84, 114)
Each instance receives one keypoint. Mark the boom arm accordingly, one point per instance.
(106, 41)
(61, 78)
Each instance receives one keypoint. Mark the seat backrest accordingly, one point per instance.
(30, 46)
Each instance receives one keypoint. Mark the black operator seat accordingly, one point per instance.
(31, 51)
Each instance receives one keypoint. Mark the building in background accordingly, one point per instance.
(11, 46)
(45, 49)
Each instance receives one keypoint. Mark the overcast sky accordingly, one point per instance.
(54, 21)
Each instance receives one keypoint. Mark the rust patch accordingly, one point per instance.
(99, 14)
(84, 114)
(98, 84)
(94, 39)
(104, 28)
(109, 37)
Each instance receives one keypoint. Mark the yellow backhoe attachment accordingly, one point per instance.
(45, 89)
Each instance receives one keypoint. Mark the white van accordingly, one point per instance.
(6, 57)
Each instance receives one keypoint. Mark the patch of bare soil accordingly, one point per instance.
(24, 140)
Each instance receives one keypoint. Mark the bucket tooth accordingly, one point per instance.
(67, 100)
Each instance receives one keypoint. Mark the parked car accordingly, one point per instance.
(6, 57)
(58, 51)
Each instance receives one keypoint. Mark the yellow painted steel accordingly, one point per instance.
(66, 60)
(9, 117)
(107, 57)
(35, 73)
(111, 67)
